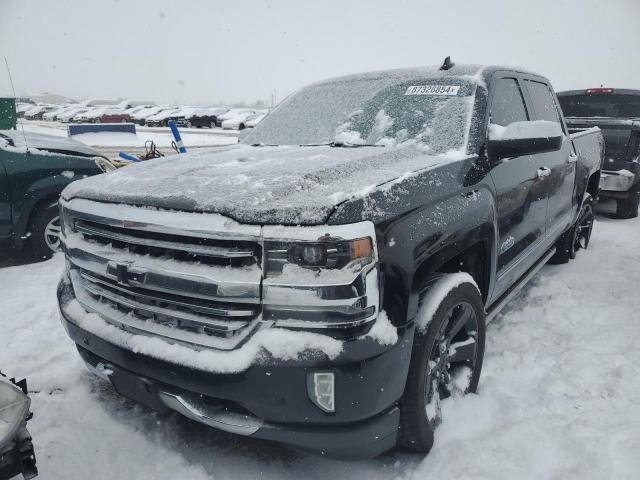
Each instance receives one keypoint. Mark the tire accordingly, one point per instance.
(628, 208)
(241, 126)
(577, 237)
(44, 224)
(431, 375)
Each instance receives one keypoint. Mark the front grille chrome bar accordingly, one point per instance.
(203, 250)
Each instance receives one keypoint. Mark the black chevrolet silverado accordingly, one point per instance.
(327, 282)
(617, 113)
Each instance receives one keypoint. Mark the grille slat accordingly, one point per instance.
(111, 233)
(154, 304)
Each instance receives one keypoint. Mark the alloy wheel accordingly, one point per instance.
(52, 234)
(452, 360)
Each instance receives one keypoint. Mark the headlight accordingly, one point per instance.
(14, 407)
(326, 252)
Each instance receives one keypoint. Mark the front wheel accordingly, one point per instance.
(446, 359)
(44, 233)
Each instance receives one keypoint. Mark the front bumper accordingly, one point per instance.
(269, 400)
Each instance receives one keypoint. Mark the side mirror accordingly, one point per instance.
(524, 138)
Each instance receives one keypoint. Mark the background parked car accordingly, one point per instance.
(53, 115)
(36, 112)
(254, 119)
(30, 184)
(161, 119)
(141, 116)
(235, 118)
(68, 115)
(617, 113)
(204, 117)
(21, 108)
(182, 114)
(114, 116)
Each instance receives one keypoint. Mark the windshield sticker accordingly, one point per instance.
(432, 90)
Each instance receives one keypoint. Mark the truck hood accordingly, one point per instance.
(286, 185)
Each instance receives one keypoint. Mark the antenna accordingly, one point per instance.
(447, 64)
(13, 89)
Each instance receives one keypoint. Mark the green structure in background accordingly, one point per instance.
(8, 115)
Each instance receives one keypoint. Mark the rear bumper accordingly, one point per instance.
(269, 400)
(612, 181)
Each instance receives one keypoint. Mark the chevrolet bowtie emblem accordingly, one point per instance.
(125, 273)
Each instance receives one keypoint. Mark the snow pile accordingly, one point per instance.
(383, 331)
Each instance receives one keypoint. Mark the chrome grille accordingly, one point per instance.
(183, 286)
(198, 278)
(179, 247)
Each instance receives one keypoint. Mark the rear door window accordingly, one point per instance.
(508, 105)
(543, 102)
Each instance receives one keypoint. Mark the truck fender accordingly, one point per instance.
(34, 195)
(423, 241)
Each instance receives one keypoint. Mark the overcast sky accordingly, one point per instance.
(194, 51)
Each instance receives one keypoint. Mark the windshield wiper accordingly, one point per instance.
(341, 144)
(265, 145)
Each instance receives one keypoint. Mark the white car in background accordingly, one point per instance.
(37, 111)
(68, 115)
(254, 119)
(141, 116)
(21, 108)
(161, 119)
(235, 118)
(91, 115)
(53, 114)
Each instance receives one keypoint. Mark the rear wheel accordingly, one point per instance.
(44, 232)
(577, 237)
(446, 360)
(628, 208)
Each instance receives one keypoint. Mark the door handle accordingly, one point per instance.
(544, 172)
(572, 158)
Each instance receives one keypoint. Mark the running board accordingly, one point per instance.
(515, 289)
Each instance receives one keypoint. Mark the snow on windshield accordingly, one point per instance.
(434, 112)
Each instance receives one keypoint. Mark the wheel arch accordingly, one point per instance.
(31, 206)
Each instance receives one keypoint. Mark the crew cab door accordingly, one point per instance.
(521, 193)
(561, 164)
(6, 225)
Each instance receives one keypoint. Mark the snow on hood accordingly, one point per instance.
(50, 143)
(261, 185)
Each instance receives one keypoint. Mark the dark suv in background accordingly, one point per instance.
(617, 113)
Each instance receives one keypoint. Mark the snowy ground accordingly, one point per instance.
(559, 394)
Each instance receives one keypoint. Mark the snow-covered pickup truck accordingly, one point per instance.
(326, 283)
(617, 113)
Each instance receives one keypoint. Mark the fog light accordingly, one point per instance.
(321, 390)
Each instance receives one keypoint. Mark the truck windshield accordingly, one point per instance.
(601, 105)
(434, 113)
